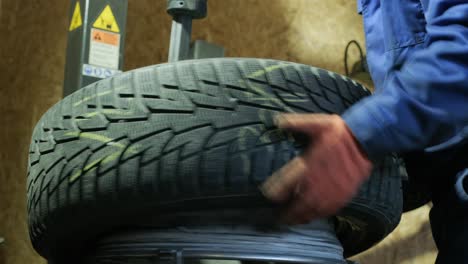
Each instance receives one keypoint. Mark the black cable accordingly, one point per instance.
(361, 55)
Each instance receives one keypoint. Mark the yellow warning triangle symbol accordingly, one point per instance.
(76, 21)
(106, 20)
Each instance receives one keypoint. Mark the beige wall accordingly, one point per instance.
(32, 47)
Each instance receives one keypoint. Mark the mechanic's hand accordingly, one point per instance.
(328, 174)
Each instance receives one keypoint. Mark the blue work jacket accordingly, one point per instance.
(417, 52)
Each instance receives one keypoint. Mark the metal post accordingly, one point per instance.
(180, 38)
(183, 11)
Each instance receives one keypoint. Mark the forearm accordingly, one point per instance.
(425, 101)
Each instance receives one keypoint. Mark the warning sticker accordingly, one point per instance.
(98, 72)
(106, 21)
(104, 49)
(76, 20)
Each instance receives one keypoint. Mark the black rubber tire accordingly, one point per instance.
(191, 135)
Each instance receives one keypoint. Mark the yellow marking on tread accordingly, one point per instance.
(88, 167)
(101, 138)
(269, 97)
(73, 134)
(278, 100)
(267, 70)
(91, 97)
(107, 111)
(97, 95)
(96, 137)
(251, 129)
(295, 95)
(262, 92)
(134, 149)
(104, 160)
(75, 176)
(262, 115)
(117, 112)
(89, 115)
(265, 138)
(116, 154)
(112, 157)
(242, 134)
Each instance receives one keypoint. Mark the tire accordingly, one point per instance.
(192, 135)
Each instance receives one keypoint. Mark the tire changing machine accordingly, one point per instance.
(95, 51)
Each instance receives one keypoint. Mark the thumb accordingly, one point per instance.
(305, 123)
(281, 185)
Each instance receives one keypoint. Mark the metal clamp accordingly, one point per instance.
(195, 9)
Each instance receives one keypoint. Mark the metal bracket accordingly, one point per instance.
(195, 9)
(201, 49)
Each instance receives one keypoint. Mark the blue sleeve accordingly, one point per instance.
(424, 101)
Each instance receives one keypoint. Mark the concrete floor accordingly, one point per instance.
(32, 47)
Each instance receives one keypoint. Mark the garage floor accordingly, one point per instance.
(32, 49)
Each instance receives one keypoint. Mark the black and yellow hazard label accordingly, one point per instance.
(106, 21)
(76, 20)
